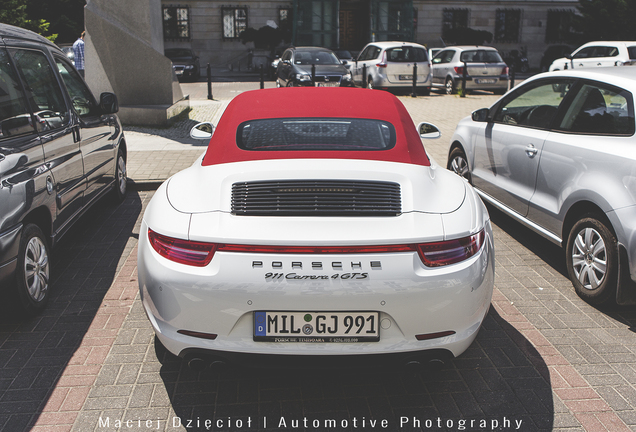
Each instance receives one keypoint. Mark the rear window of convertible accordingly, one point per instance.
(315, 134)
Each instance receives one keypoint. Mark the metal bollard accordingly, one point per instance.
(464, 75)
(313, 74)
(364, 75)
(209, 82)
(414, 92)
(262, 77)
(512, 76)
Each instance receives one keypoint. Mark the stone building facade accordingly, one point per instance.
(211, 27)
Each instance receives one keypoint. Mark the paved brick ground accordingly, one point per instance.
(543, 357)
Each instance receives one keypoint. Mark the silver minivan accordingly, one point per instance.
(390, 65)
(558, 154)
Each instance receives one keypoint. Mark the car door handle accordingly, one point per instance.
(531, 151)
(598, 64)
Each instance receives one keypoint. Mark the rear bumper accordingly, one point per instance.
(221, 299)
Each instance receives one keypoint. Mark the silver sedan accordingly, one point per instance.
(557, 153)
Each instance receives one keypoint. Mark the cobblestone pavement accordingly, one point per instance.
(544, 360)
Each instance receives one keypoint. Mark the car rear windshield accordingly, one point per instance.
(406, 54)
(481, 56)
(315, 134)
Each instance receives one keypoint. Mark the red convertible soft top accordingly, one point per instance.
(316, 102)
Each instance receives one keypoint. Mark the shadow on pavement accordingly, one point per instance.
(35, 351)
(499, 381)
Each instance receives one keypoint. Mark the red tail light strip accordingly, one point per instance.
(199, 254)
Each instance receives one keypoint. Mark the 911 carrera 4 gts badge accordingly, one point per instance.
(295, 276)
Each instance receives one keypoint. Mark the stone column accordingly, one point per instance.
(124, 55)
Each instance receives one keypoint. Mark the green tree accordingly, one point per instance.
(66, 16)
(606, 20)
(14, 12)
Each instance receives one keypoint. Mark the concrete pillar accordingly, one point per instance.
(124, 55)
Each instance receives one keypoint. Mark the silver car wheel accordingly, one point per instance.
(450, 86)
(36, 269)
(458, 163)
(589, 258)
(121, 174)
(460, 166)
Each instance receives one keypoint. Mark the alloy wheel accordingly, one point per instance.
(589, 258)
(36, 269)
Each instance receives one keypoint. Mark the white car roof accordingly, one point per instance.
(393, 44)
(620, 76)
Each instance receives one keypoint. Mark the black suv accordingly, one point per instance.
(60, 151)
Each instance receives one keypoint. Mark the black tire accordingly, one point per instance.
(449, 85)
(458, 163)
(33, 271)
(592, 260)
(121, 179)
(290, 84)
(524, 68)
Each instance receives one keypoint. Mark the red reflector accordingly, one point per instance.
(450, 251)
(428, 336)
(504, 71)
(316, 249)
(192, 253)
(210, 336)
(459, 70)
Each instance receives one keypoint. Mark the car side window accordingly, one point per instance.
(42, 89)
(81, 97)
(586, 53)
(449, 56)
(15, 116)
(535, 107)
(599, 109)
(442, 57)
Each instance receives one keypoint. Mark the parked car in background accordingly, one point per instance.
(185, 64)
(345, 57)
(317, 232)
(432, 52)
(598, 54)
(295, 68)
(552, 53)
(60, 151)
(486, 70)
(389, 65)
(558, 154)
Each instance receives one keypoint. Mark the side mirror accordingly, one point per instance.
(569, 56)
(428, 130)
(481, 115)
(108, 103)
(202, 131)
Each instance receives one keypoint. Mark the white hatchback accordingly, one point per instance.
(598, 54)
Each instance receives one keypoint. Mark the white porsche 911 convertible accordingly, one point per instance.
(316, 227)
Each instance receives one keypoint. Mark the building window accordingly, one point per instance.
(507, 25)
(559, 26)
(234, 21)
(453, 19)
(176, 23)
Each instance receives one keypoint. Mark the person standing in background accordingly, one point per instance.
(78, 53)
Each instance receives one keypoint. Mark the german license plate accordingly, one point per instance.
(328, 84)
(316, 327)
(485, 81)
(406, 77)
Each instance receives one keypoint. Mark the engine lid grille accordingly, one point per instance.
(316, 198)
